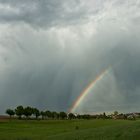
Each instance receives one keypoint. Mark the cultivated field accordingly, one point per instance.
(70, 130)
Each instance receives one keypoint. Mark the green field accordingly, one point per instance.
(70, 130)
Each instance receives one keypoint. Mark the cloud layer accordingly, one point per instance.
(50, 50)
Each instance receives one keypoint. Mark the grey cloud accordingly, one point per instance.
(50, 68)
(51, 13)
(43, 12)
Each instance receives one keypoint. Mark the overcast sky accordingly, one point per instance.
(50, 50)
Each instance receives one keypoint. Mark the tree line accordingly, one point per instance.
(34, 113)
(31, 112)
(28, 112)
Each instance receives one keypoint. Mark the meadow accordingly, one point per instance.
(97, 129)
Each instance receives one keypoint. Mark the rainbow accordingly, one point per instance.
(87, 90)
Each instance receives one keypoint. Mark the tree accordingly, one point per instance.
(28, 111)
(104, 116)
(19, 111)
(63, 115)
(55, 115)
(42, 113)
(86, 116)
(116, 113)
(79, 116)
(71, 116)
(48, 114)
(10, 112)
(36, 112)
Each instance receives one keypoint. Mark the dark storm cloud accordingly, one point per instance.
(49, 68)
(44, 12)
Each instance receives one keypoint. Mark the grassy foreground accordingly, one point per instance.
(70, 130)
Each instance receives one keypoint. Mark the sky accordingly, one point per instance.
(51, 50)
